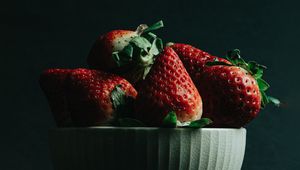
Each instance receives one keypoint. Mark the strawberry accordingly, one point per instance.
(125, 52)
(193, 58)
(232, 90)
(84, 97)
(100, 56)
(89, 96)
(168, 87)
(231, 96)
(52, 82)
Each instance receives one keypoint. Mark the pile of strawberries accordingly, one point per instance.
(134, 80)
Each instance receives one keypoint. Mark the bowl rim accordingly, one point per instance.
(95, 128)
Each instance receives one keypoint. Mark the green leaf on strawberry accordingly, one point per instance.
(140, 53)
(263, 85)
(200, 123)
(118, 97)
(154, 49)
(264, 99)
(128, 51)
(159, 44)
(150, 36)
(155, 26)
(116, 58)
(141, 43)
(123, 107)
(170, 120)
(275, 101)
(122, 104)
(256, 69)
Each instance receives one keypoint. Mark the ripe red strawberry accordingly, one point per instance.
(193, 58)
(100, 56)
(232, 92)
(83, 97)
(168, 87)
(125, 52)
(231, 96)
(52, 82)
(89, 96)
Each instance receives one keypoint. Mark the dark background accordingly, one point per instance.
(36, 35)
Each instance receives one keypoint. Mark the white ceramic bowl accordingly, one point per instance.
(147, 148)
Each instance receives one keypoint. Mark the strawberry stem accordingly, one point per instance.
(200, 123)
(141, 52)
(155, 26)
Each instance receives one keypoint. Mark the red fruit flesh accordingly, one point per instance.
(52, 82)
(89, 96)
(100, 56)
(231, 96)
(167, 87)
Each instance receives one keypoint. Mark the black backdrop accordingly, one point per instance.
(36, 35)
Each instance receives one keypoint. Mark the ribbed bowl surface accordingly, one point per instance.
(106, 148)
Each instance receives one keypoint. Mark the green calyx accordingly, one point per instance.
(171, 121)
(140, 53)
(123, 108)
(255, 69)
